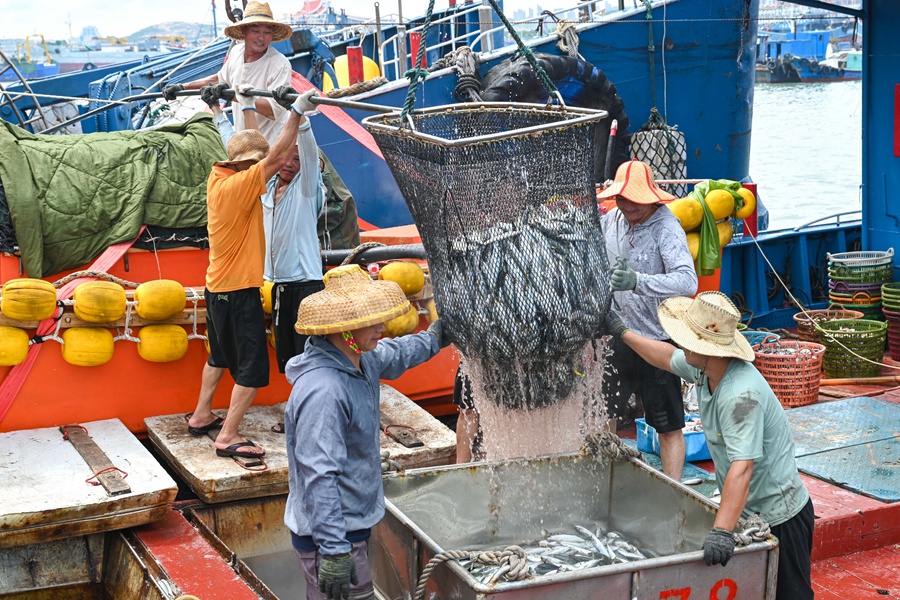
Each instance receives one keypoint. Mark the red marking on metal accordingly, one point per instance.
(193, 565)
(723, 583)
(355, 68)
(415, 38)
(751, 224)
(679, 594)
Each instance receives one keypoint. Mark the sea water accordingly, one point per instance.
(806, 149)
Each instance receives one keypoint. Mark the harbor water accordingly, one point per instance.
(806, 150)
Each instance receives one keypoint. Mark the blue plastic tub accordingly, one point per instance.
(694, 441)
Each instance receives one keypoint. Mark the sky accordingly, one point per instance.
(56, 18)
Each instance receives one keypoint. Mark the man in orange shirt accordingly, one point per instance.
(234, 315)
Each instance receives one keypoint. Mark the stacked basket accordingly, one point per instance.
(854, 348)
(890, 305)
(793, 369)
(807, 321)
(855, 280)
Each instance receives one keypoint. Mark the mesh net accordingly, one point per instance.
(508, 216)
(663, 148)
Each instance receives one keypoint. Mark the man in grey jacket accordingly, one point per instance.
(648, 248)
(332, 425)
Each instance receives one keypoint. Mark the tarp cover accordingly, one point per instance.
(73, 196)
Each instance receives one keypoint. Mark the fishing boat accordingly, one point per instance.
(204, 548)
(19, 63)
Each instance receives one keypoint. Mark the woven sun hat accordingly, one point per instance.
(635, 182)
(259, 13)
(351, 300)
(705, 325)
(248, 144)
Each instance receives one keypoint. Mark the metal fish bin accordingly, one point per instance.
(489, 506)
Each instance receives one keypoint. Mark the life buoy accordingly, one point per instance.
(581, 83)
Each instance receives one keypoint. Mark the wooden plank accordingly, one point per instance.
(106, 472)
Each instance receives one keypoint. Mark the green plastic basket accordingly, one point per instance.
(850, 345)
(861, 274)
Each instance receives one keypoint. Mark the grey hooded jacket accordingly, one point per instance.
(332, 423)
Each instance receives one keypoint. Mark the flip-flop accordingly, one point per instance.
(278, 428)
(232, 451)
(216, 424)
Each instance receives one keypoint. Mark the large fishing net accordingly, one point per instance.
(665, 149)
(503, 197)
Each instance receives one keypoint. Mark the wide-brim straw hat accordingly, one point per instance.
(248, 144)
(635, 182)
(259, 13)
(705, 325)
(351, 300)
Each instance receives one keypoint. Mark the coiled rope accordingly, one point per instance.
(511, 560)
(388, 465)
(568, 38)
(610, 445)
(754, 529)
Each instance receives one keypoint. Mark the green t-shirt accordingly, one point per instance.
(743, 420)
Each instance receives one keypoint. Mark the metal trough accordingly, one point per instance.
(492, 505)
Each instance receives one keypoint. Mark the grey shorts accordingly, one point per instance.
(363, 590)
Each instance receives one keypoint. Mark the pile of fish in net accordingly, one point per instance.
(565, 552)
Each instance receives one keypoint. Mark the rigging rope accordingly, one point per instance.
(512, 561)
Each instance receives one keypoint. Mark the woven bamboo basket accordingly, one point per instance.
(806, 329)
(793, 369)
(853, 347)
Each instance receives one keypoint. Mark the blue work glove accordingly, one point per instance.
(623, 277)
(437, 330)
(169, 91)
(718, 547)
(615, 326)
(336, 574)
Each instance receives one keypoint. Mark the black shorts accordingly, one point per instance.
(236, 327)
(627, 373)
(795, 538)
(286, 298)
(462, 392)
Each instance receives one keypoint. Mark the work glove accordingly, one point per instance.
(243, 99)
(284, 96)
(209, 94)
(336, 574)
(303, 104)
(615, 326)
(437, 330)
(170, 90)
(623, 277)
(718, 547)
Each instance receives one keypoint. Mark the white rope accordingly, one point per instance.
(55, 97)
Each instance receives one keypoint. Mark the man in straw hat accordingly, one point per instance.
(234, 316)
(332, 422)
(745, 426)
(652, 262)
(252, 62)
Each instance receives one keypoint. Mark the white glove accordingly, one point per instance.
(303, 104)
(245, 101)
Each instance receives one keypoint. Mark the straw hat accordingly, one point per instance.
(351, 300)
(706, 325)
(259, 12)
(248, 144)
(635, 182)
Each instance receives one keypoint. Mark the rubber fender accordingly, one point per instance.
(342, 70)
(99, 301)
(87, 346)
(160, 300)
(13, 346)
(162, 343)
(28, 299)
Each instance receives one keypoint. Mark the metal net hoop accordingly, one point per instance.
(504, 199)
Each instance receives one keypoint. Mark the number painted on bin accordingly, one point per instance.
(679, 594)
(685, 593)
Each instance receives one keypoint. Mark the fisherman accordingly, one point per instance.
(332, 421)
(234, 316)
(252, 62)
(745, 426)
(652, 262)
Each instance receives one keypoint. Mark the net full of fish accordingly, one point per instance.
(564, 552)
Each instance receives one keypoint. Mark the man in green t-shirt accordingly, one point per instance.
(745, 426)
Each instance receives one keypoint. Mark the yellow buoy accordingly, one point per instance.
(160, 300)
(87, 346)
(721, 204)
(342, 70)
(725, 232)
(749, 204)
(28, 299)
(693, 242)
(13, 346)
(162, 343)
(266, 293)
(99, 301)
(408, 275)
(402, 325)
(432, 315)
(688, 211)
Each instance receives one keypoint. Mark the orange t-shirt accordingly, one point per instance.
(237, 242)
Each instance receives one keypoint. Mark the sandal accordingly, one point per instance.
(232, 451)
(278, 428)
(215, 424)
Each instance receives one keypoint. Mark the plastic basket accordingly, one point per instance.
(890, 290)
(806, 328)
(862, 258)
(850, 345)
(855, 299)
(757, 337)
(794, 374)
(694, 441)
(842, 287)
(880, 274)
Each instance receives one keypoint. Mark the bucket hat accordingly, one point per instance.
(248, 144)
(259, 13)
(706, 325)
(351, 300)
(635, 182)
